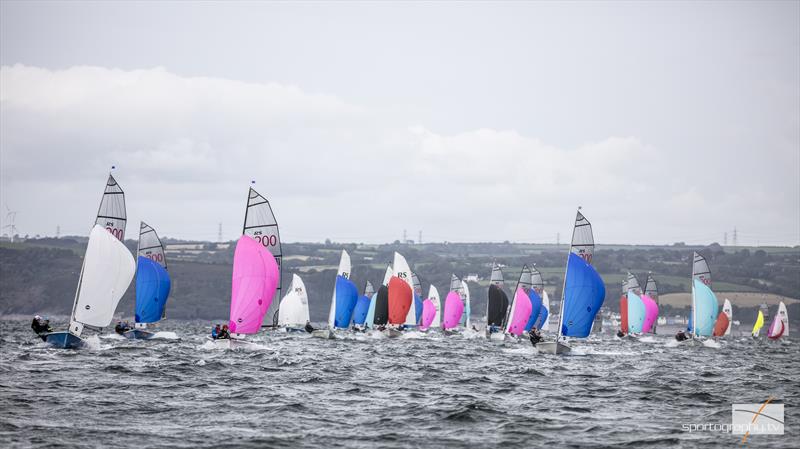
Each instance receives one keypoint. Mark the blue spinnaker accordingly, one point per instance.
(346, 297)
(417, 307)
(536, 309)
(583, 296)
(370, 320)
(706, 308)
(360, 312)
(636, 313)
(152, 290)
(543, 315)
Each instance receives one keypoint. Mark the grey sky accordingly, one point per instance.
(471, 121)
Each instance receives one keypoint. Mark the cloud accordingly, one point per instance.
(186, 149)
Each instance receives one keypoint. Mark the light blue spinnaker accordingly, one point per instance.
(362, 308)
(705, 310)
(152, 290)
(346, 297)
(536, 309)
(584, 293)
(370, 320)
(636, 312)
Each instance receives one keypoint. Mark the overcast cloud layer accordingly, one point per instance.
(470, 122)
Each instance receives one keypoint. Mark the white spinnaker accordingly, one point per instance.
(403, 271)
(260, 224)
(343, 271)
(631, 283)
(700, 270)
(582, 238)
(293, 310)
(433, 295)
(546, 304)
(150, 245)
(728, 311)
(111, 214)
(108, 269)
(467, 306)
(388, 275)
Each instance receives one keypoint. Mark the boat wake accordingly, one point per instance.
(166, 335)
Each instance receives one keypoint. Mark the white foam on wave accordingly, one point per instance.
(711, 344)
(414, 335)
(114, 336)
(166, 335)
(648, 339)
(93, 343)
(672, 343)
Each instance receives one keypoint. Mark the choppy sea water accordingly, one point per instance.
(416, 391)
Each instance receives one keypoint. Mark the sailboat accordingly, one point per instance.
(724, 321)
(261, 226)
(780, 324)
(343, 300)
(497, 304)
(256, 272)
(378, 314)
(521, 310)
(651, 291)
(107, 270)
(431, 318)
(152, 283)
(453, 306)
(402, 311)
(704, 302)
(758, 324)
(362, 308)
(583, 291)
(293, 311)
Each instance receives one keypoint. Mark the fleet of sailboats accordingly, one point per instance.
(398, 304)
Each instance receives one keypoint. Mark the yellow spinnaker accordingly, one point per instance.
(759, 324)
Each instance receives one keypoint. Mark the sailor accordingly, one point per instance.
(620, 334)
(215, 332)
(224, 332)
(309, 328)
(40, 326)
(119, 328)
(681, 336)
(534, 336)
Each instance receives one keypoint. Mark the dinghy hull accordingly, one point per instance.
(138, 334)
(393, 333)
(552, 347)
(63, 340)
(326, 334)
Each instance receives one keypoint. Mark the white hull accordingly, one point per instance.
(552, 347)
(230, 343)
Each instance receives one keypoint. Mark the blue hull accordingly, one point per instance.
(63, 340)
(138, 334)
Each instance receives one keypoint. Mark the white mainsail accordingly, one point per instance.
(433, 295)
(403, 271)
(546, 304)
(150, 245)
(524, 282)
(293, 310)
(631, 283)
(108, 269)
(700, 270)
(728, 311)
(111, 214)
(387, 275)
(260, 224)
(537, 283)
(343, 271)
(467, 309)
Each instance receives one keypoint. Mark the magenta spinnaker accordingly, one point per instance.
(453, 309)
(255, 280)
(650, 313)
(428, 314)
(522, 312)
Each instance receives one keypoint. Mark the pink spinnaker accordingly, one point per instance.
(428, 314)
(453, 309)
(522, 312)
(650, 313)
(255, 280)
